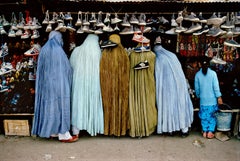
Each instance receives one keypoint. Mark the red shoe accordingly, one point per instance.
(73, 139)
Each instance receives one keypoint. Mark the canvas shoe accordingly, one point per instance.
(136, 29)
(61, 27)
(99, 31)
(142, 49)
(4, 50)
(99, 20)
(171, 31)
(93, 18)
(21, 24)
(35, 24)
(205, 29)
(108, 44)
(28, 24)
(54, 18)
(70, 27)
(46, 19)
(180, 29)
(179, 19)
(173, 21)
(2, 31)
(140, 39)
(217, 60)
(35, 34)
(216, 20)
(85, 20)
(4, 21)
(236, 31)
(31, 76)
(80, 30)
(142, 65)
(193, 28)
(14, 22)
(60, 18)
(142, 20)
(35, 50)
(107, 18)
(68, 16)
(201, 19)
(229, 23)
(79, 19)
(231, 43)
(163, 20)
(125, 22)
(85, 28)
(19, 32)
(116, 28)
(133, 20)
(11, 33)
(108, 28)
(127, 31)
(215, 31)
(49, 28)
(115, 20)
(147, 29)
(25, 35)
(192, 17)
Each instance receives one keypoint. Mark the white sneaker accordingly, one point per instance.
(35, 50)
(35, 34)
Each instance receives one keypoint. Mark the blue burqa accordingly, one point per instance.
(53, 87)
(175, 109)
(87, 108)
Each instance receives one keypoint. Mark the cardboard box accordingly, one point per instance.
(16, 127)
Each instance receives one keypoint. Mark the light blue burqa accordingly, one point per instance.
(53, 85)
(175, 109)
(87, 109)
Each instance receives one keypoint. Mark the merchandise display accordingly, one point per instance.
(117, 72)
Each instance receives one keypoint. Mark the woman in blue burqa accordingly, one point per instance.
(53, 87)
(87, 108)
(175, 109)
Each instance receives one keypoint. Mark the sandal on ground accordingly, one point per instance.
(210, 135)
(204, 134)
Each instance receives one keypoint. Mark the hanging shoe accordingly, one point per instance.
(107, 44)
(79, 19)
(115, 20)
(35, 50)
(35, 34)
(99, 20)
(142, 65)
(46, 19)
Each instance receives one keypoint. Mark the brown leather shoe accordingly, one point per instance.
(73, 139)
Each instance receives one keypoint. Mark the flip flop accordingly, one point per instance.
(210, 135)
(204, 134)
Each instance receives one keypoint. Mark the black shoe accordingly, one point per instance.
(141, 65)
(184, 134)
(107, 44)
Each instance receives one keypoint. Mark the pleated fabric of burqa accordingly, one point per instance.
(175, 109)
(87, 109)
(142, 96)
(114, 74)
(53, 89)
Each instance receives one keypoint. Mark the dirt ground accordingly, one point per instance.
(105, 148)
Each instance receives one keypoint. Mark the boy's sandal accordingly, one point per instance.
(204, 134)
(210, 135)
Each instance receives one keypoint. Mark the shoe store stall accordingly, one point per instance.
(189, 28)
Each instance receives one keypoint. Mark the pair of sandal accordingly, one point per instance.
(208, 135)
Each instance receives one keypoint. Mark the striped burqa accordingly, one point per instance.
(114, 74)
(142, 107)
